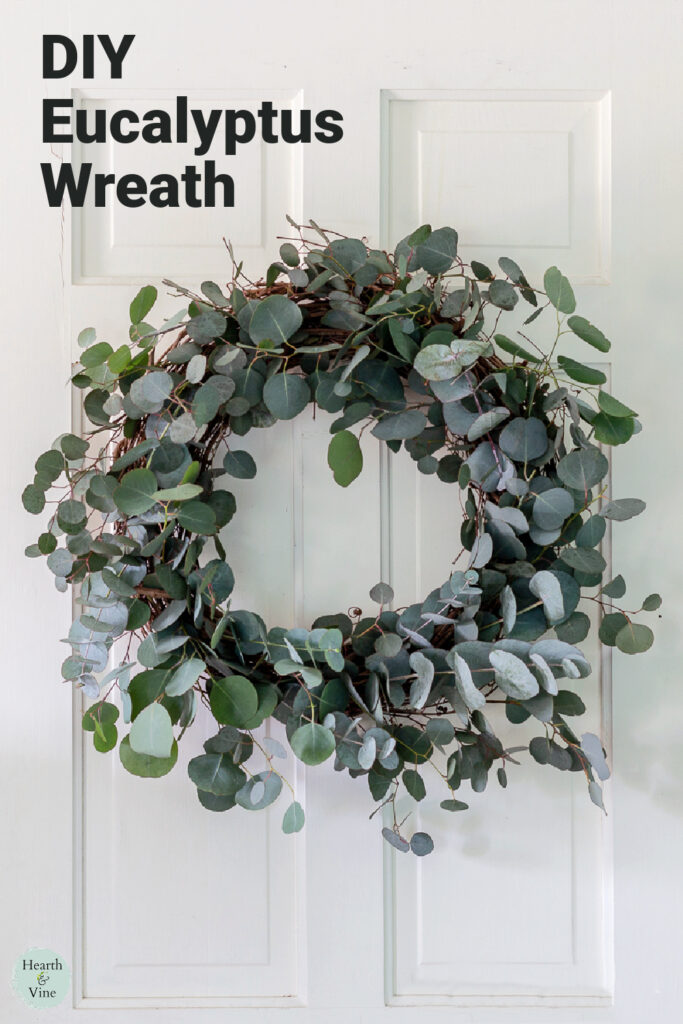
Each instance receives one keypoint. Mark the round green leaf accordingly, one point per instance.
(135, 493)
(150, 391)
(583, 468)
(152, 732)
(196, 368)
(73, 447)
(512, 675)
(436, 362)
(347, 255)
(622, 509)
(382, 593)
(216, 773)
(437, 252)
(71, 516)
(294, 818)
(185, 676)
(96, 355)
(634, 638)
(413, 782)
(234, 700)
(610, 627)
(524, 439)
(400, 426)
(546, 586)
(50, 464)
(119, 359)
(33, 499)
(197, 517)
(60, 562)
(239, 464)
(584, 559)
(552, 507)
(395, 840)
(260, 791)
(421, 844)
(559, 290)
(487, 421)
(47, 542)
(276, 318)
(211, 802)
(440, 732)
(86, 337)
(289, 254)
(574, 629)
(102, 712)
(344, 457)
(144, 765)
(612, 429)
(286, 395)
(312, 743)
(591, 533)
(503, 295)
(207, 326)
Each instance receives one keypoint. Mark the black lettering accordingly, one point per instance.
(51, 118)
(70, 56)
(329, 132)
(211, 179)
(181, 118)
(115, 126)
(101, 182)
(164, 191)
(131, 190)
(66, 180)
(206, 129)
(232, 137)
(116, 55)
(100, 132)
(191, 178)
(88, 56)
(158, 126)
(288, 135)
(268, 114)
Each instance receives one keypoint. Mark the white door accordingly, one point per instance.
(544, 131)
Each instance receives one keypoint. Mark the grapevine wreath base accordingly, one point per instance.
(408, 347)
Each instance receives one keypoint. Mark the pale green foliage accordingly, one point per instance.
(392, 345)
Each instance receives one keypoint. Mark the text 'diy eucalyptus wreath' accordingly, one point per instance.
(407, 346)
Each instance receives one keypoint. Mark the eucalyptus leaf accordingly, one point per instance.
(151, 732)
(312, 743)
(344, 457)
(276, 318)
(294, 818)
(583, 469)
(512, 675)
(546, 585)
(559, 290)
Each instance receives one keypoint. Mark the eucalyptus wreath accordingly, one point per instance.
(408, 346)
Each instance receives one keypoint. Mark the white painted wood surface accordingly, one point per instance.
(548, 134)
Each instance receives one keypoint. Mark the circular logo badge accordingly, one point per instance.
(41, 977)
